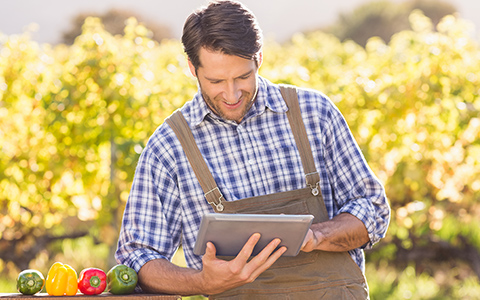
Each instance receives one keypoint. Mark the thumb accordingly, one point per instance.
(308, 241)
(210, 251)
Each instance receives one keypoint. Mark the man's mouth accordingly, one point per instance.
(234, 104)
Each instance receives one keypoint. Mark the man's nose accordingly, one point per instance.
(233, 93)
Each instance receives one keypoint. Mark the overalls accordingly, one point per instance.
(313, 275)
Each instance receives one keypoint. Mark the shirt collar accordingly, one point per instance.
(268, 96)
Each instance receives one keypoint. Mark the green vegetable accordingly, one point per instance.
(30, 282)
(121, 280)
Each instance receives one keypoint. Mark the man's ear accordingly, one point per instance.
(260, 58)
(192, 69)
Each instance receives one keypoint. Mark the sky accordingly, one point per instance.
(279, 19)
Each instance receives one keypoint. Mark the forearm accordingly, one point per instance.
(162, 276)
(342, 233)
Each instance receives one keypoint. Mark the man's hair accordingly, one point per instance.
(225, 26)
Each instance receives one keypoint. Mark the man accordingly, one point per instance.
(258, 164)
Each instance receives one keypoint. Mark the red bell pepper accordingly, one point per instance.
(92, 281)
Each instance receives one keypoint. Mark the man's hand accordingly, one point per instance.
(342, 233)
(162, 276)
(220, 275)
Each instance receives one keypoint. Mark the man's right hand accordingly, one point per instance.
(220, 275)
(217, 275)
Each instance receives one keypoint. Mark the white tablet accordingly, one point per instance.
(230, 232)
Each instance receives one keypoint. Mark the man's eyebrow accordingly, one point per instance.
(243, 75)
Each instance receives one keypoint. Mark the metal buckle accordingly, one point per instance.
(218, 206)
(315, 189)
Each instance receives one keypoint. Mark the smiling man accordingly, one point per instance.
(228, 83)
(262, 148)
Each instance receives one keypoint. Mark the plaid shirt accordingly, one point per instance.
(256, 157)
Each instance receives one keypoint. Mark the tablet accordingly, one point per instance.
(230, 232)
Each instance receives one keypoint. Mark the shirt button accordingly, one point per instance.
(251, 161)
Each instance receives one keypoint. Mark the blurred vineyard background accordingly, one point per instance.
(74, 119)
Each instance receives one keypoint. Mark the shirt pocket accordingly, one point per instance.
(284, 168)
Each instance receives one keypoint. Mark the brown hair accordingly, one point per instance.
(226, 26)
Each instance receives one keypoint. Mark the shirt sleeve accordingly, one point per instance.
(357, 190)
(151, 226)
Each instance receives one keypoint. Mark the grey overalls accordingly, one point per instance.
(314, 275)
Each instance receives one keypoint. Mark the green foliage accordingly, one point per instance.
(413, 106)
(386, 283)
(73, 120)
(383, 18)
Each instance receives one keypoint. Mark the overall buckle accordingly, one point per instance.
(218, 206)
(315, 188)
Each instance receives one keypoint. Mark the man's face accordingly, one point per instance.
(228, 83)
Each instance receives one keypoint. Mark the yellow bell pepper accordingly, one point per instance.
(61, 280)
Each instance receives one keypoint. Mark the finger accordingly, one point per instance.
(268, 262)
(264, 255)
(307, 242)
(247, 249)
(239, 262)
(210, 251)
(308, 237)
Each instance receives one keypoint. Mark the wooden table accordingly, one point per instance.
(79, 296)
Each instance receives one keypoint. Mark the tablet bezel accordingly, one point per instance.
(229, 232)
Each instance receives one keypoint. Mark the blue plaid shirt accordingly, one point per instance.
(256, 157)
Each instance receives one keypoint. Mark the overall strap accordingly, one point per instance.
(289, 94)
(212, 193)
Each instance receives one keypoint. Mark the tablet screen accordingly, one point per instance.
(230, 232)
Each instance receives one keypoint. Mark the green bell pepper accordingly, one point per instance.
(30, 282)
(121, 280)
